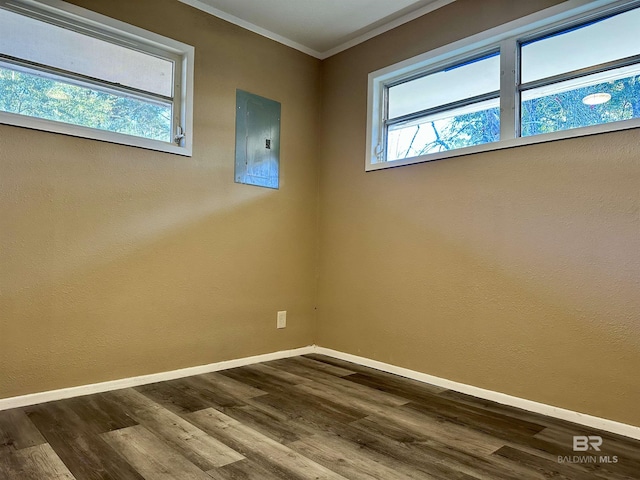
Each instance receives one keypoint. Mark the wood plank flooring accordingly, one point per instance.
(310, 417)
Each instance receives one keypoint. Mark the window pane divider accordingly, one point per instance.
(443, 108)
(583, 72)
(79, 79)
(509, 94)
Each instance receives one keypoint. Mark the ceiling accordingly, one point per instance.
(318, 27)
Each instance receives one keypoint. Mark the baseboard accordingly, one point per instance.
(531, 406)
(52, 395)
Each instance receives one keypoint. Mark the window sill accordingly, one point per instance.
(504, 144)
(91, 133)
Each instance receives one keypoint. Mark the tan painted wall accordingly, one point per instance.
(117, 261)
(516, 271)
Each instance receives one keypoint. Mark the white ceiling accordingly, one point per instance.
(318, 27)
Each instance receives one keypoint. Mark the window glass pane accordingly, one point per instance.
(604, 41)
(53, 99)
(593, 100)
(43, 43)
(460, 82)
(463, 127)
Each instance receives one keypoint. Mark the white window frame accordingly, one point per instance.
(507, 38)
(88, 22)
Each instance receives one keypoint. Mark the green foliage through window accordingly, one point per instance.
(566, 108)
(43, 97)
(457, 131)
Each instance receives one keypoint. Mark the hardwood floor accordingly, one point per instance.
(310, 417)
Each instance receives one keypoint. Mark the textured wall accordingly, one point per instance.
(117, 261)
(516, 271)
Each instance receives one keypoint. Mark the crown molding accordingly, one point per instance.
(200, 5)
(386, 27)
(250, 26)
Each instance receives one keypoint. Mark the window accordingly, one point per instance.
(453, 107)
(568, 71)
(67, 70)
(572, 78)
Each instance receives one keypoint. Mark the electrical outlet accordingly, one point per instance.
(282, 320)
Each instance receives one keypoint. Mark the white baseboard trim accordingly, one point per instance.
(531, 406)
(52, 395)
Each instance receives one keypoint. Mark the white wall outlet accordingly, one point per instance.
(282, 320)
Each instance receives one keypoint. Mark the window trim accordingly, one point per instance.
(507, 37)
(102, 27)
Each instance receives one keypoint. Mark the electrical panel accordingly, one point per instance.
(257, 140)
